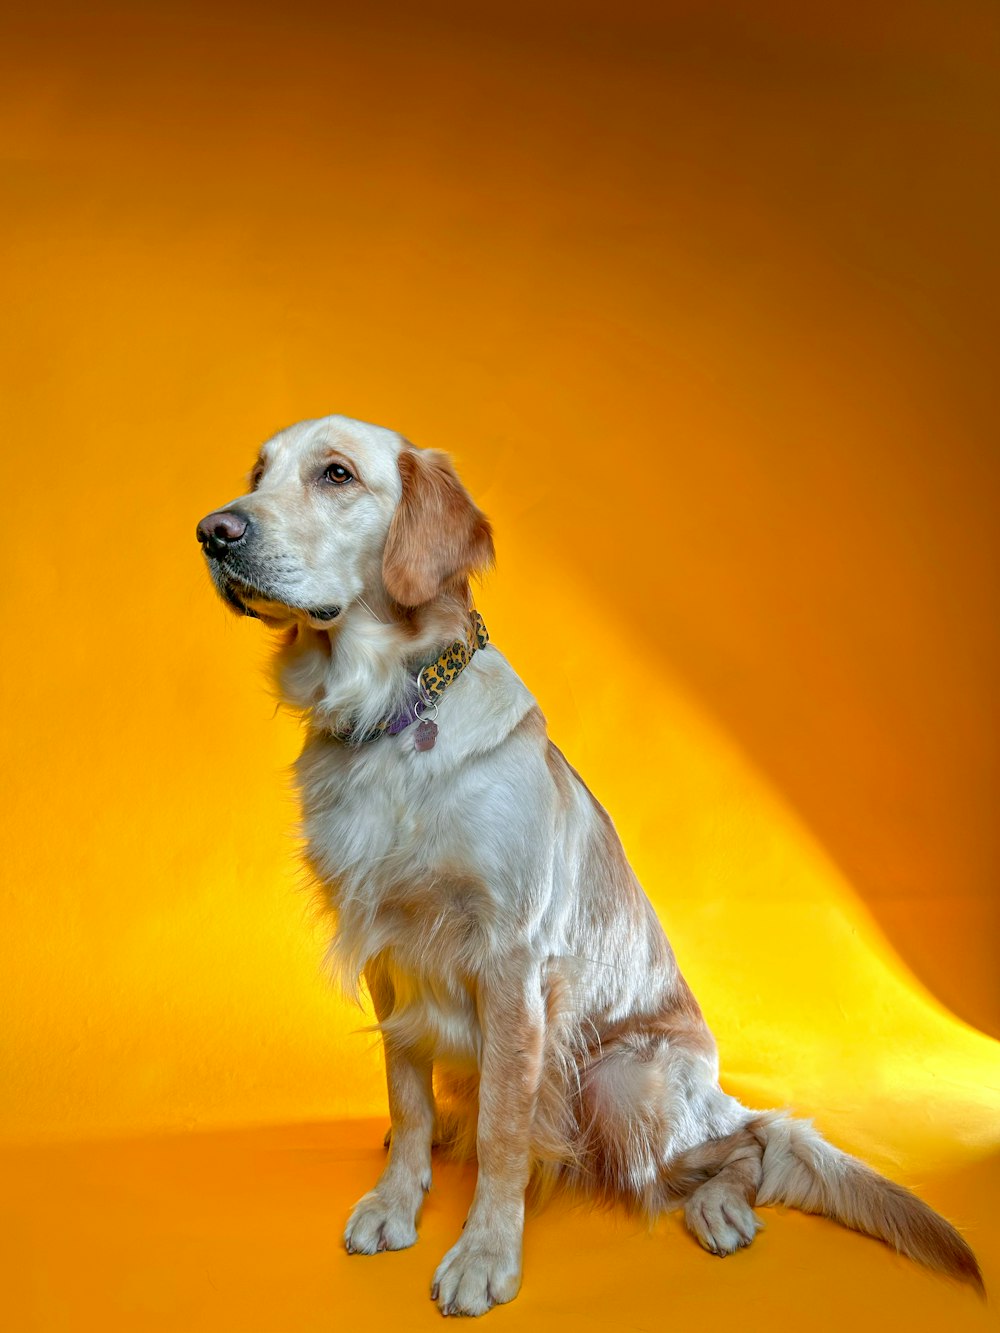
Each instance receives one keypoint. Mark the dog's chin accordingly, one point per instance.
(248, 601)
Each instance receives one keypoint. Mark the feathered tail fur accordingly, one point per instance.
(801, 1169)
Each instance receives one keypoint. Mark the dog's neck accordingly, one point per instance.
(364, 669)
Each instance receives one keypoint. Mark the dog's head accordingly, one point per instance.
(339, 512)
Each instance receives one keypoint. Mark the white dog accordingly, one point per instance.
(484, 895)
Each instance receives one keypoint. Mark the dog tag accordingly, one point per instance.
(425, 735)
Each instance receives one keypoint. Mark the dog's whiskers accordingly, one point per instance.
(370, 611)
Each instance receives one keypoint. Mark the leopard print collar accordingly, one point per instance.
(431, 682)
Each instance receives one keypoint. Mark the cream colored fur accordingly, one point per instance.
(482, 892)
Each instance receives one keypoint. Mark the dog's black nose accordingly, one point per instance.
(218, 531)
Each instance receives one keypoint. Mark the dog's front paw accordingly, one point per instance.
(476, 1274)
(380, 1223)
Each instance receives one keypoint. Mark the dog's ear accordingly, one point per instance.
(437, 533)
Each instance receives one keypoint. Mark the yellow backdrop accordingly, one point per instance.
(703, 301)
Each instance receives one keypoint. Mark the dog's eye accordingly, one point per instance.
(338, 474)
(255, 477)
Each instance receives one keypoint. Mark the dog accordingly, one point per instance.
(530, 1007)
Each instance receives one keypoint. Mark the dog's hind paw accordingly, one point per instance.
(720, 1218)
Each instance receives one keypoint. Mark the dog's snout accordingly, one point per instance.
(218, 531)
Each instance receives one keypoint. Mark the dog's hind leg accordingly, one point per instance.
(661, 1134)
(720, 1211)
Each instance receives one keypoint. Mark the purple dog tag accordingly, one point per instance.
(425, 735)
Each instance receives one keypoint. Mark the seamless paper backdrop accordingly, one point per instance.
(703, 300)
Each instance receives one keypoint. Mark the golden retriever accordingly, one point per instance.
(529, 1003)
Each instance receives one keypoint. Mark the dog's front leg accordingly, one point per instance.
(484, 1268)
(386, 1218)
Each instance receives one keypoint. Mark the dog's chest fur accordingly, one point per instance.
(406, 845)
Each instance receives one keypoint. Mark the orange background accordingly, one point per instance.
(704, 302)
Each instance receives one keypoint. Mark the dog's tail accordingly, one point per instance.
(801, 1169)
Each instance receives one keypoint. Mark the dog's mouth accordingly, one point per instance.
(247, 600)
(227, 592)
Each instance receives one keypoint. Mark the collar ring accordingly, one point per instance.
(428, 709)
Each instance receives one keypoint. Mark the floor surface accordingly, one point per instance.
(239, 1232)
